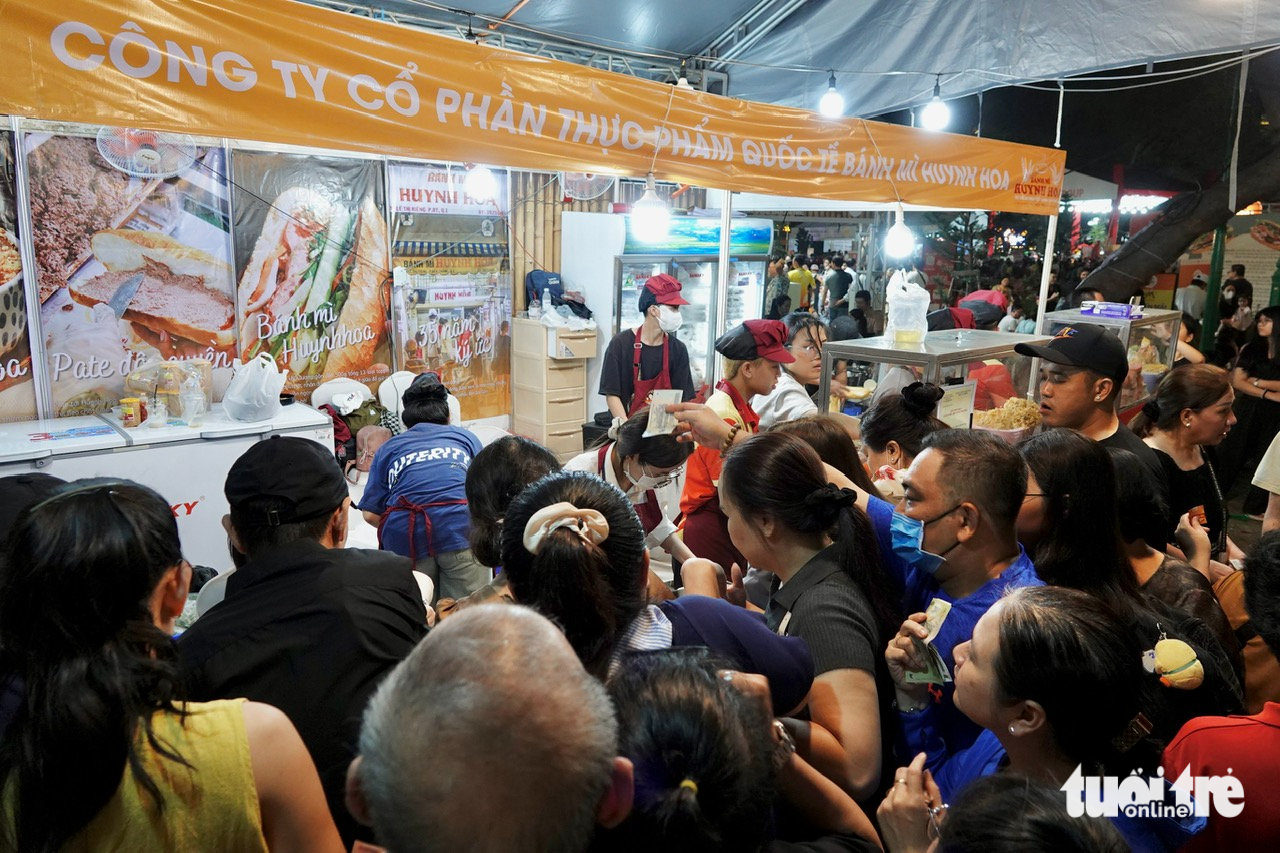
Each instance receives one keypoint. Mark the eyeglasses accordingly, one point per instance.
(1033, 495)
(663, 480)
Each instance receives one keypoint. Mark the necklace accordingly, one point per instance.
(1220, 545)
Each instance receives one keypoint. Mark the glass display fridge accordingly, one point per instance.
(945, 357)
(1150, 340)
(690, 254)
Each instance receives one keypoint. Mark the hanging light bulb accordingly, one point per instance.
(899, 242)
(832, 103)
(650, 216)
(481, 185)
(683, 82)
(936, 115)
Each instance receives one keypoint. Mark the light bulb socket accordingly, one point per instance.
(831, 82)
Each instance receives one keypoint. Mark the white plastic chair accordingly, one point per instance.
(488, 434)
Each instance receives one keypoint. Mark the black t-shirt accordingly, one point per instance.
(617, 372)
(1124, 439)
(312, 631)
(838, 283)
(1197, 487)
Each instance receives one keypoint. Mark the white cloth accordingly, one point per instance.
(650, 631)
(1008, 323)
(1190, 299)
(1268, 474)
(589, 462)
(788, 401)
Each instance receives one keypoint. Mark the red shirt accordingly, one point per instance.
(702, 473)
(1248, 747)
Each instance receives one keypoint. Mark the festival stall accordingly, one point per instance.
(276, 229)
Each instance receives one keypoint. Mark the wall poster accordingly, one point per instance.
(454, 316)
(17, 392)
(311, 262)
(99, 230)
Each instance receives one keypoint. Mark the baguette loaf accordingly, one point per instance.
(181, 305)
(368, 298)
(125, 249)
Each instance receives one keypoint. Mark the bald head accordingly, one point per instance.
(489, 736)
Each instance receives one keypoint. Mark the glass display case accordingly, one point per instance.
(945, 357)
(1150, 340)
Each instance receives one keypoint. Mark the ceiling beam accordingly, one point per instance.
(748, 30)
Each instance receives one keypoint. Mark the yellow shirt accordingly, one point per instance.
(211, 805)
(802, 286)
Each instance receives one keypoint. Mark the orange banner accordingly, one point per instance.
(278, 71)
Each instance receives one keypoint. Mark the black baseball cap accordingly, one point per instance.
(752, 339)
(1083, 345)
(301, 474)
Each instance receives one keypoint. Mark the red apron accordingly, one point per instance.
(649, 512)
(644, 387)
(414, 510)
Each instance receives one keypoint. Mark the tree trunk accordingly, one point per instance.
(1186, 217)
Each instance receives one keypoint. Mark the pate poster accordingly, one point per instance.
(312, 266)
(17, 392)
(97, 228)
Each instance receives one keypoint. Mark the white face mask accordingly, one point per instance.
(642, 484)
(669, 318)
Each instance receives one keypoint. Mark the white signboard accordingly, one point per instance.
(442, 189)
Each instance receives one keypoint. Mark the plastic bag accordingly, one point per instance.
(254, 391)
(908, 310)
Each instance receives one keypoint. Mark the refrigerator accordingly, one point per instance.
(604, 260)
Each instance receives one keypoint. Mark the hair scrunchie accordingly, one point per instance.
(831, 495)
(615, 428)
(1152, 410)
(589, 524)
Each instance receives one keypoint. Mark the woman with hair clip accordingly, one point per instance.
(1189, 416)
(1056, 680)
(416, 495)
(1069, 523)
(829, 589)
(893, 430)
(102, 752)
(639, 466)
(711, 763)
(1256, 380)
(573, 549)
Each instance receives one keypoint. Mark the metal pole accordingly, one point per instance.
(1041, 307)
(722, 284)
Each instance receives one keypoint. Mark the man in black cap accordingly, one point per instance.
(1085, 367)
(307, 625)
(650, 358)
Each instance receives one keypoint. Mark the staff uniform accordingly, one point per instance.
(657, 527)
(417, 484)
(632, 370)
(706, 529)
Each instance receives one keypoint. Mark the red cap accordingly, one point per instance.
(756, 339)
(665, 290)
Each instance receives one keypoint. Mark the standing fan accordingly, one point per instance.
(584, 186)
(146, 153)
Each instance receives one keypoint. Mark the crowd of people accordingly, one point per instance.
(882, 633)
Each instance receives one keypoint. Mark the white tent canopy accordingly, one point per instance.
(886, 53)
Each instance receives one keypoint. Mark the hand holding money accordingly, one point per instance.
(903, 655)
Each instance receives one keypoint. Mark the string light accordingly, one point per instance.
(832, 103)
(650, 216)
(936, 115)
(899, 242)
(481, 185)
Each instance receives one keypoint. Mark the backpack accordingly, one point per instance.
(537, 281)
(369, 414)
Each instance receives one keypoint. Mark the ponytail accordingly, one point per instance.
(593, 586)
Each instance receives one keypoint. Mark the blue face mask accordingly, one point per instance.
(908, 542)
